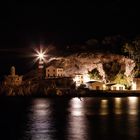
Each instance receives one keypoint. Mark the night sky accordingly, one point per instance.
(23, 24)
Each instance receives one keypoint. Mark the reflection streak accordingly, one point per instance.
(39, 120)
(77, 107)
(132, 105)
(104, 107)
(77, 129)
(118, 106)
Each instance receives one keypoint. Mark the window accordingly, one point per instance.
(120, 88)
(48, 75)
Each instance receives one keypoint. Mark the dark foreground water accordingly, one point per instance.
(70, 119)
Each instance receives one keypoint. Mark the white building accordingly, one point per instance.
(136, 84)
(13, 79)
(117, 87)
(78, 78)
(52, 71)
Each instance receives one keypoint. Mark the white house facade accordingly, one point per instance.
(117, 87)
(78, 78)
(136, 84)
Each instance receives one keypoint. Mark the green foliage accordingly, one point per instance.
(122, 79)
(94, 74)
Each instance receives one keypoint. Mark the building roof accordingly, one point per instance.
(118, 85)
(95, 81)
(110, 84)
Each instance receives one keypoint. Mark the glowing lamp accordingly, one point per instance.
(41, 54)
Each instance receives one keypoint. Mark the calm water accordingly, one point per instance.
(70, 119)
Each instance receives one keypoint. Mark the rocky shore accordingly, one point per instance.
(37, 90)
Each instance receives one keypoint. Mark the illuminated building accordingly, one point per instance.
(78, 78)
(136, 84)
(52, 71)
(95, 85)
(117, 87)
(13, 79)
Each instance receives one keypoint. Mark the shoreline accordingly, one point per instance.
(82, 93)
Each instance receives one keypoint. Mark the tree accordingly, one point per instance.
(122, 79)
(132, 49)
(94, 74)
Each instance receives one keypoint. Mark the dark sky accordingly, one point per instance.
(22, 24)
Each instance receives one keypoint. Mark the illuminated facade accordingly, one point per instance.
(78, 78)
(52, 71)
(117, 87)
(136, 84)
(95, 85)
(13, 79)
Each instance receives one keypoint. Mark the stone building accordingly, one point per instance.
(13, 79)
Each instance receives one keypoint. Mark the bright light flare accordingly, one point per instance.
(40, 55)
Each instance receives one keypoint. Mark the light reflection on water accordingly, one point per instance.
(77, 123)
(83, 119)
(132, 105)
(76, 107)
(104, 107)
(133, 116)
(39, 126)
(118, 106)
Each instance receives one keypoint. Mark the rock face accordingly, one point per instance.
(84, 62)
